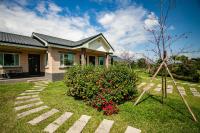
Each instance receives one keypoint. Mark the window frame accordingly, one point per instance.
(3, 65)
(46, 62)
(63, 59)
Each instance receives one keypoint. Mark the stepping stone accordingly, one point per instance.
(43, 117)
(105, 126)
(130, 129)
(27, 101)
(40, 86)
(192, 84)
(169, 89)
(181, 90)
(79, 124)
(52, 127)
(34, 90)
(195, 92)
(27, 106)
(26, 97)
(142, 84)
(151, 84)
(157, 89)
(159, 85)
(31, 93)
(184, 83)
(23, 114)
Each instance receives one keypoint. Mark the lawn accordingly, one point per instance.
(149, 115)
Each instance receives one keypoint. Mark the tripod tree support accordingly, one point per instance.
(150, 81)
(188, 107)
(184, 100)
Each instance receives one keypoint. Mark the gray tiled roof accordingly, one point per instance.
(63, 42)
(19, 39)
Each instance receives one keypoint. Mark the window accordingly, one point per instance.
(9, 59)
(101, 60)
(66, 59)
(46, 59)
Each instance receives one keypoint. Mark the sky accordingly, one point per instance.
(122, 22)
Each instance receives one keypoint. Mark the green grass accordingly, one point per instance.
(149, 115)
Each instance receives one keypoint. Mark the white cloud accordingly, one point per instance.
(54, 8)
(22, 21)
(124, 28)
(151, 20)
(41, 7)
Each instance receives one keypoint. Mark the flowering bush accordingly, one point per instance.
(101, 103)
(102, 88)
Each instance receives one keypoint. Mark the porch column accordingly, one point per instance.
(83, 60)
(107, 60)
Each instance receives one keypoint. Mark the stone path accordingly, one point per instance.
(43, 116)
(34, 90)
(79, 124)
(30, 99)
(29, 93)
(27, 101)
(195, 92)
(169, 88)
(142, 84)
(104, 126)
(158, 88)
(26, 97)
(181, 90)
(52, 127)
(27, 106)
(130, 129)
(23, 114)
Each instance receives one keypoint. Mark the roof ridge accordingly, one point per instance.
(15, 34)
(52, 36)
(89, 37)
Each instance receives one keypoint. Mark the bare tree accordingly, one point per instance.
(162, 41)
(127, 57)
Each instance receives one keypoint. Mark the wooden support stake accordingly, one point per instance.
(150, 81)
(188, 107)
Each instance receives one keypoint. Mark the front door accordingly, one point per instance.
(92, 60)
(34, 64)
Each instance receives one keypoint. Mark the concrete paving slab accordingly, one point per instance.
(43, 117)
(27, 106)
(27, 97)
(52, 127)
(23, 114)
(104, 126)
(27, 101)
(130, 129)
(78, 126)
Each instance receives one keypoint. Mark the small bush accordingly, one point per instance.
(102, 88)
(81, 81)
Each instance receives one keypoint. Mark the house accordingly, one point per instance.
(23, 56)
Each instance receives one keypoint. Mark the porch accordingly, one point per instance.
(19, 62)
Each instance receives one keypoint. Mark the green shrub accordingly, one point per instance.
(82, 81)
(102, 88)
(120, 82)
